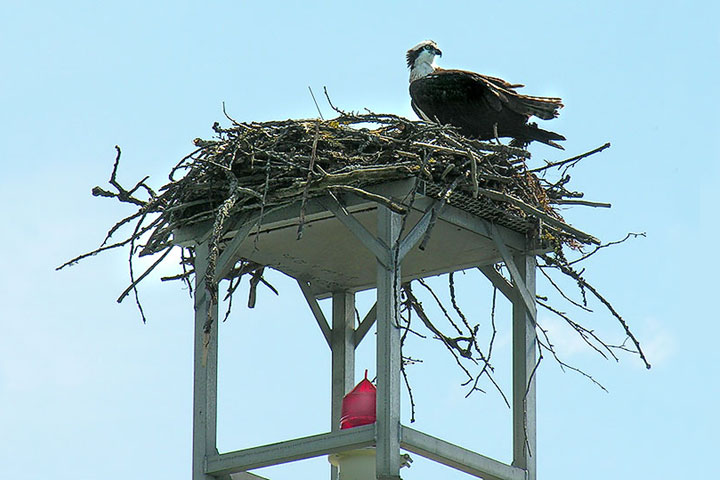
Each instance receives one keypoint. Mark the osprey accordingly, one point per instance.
(481, 106)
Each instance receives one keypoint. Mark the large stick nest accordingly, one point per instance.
(259, 165)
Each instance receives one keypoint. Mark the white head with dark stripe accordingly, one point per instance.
(421, 59)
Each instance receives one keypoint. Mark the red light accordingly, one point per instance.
(358, 406)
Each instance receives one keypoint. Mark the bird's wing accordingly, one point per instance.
(448, 90)
(472, 90)
(500, 82)
(457, 98)
(545, 108)
(480, 106)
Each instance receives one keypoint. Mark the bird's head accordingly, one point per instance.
(423, 52)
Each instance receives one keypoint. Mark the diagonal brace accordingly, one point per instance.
(365, 325)
(417, 232)
(498, 281)
(317, 312)
(518, 282)
(370, 242)
(227, 258)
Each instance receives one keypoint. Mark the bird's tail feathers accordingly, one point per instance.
(545, 108)
(532, 132)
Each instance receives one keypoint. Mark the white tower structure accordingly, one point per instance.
(358, 244)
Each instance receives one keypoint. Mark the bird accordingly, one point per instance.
(480, 106)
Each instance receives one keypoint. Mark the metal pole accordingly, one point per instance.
(388, 350)
(342, 344)
(524, 361)
(205, 372)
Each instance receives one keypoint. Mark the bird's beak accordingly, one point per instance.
(438, 52)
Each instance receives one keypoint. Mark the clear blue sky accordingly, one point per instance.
(87, 391)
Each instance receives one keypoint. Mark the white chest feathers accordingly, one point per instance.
(421, 69)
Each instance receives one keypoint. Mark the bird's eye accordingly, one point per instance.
(428, 47)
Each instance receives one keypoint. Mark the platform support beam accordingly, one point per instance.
(365, 325)
(523, 366)
(342, 345)
(388, 348)
(205, 371)
(316, 311)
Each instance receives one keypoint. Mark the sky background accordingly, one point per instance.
(87, 391)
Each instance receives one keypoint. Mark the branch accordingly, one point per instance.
(123, 195)
(567, 270)
(570, 160)
(605, 245)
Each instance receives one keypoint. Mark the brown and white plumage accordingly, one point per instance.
(480, 106)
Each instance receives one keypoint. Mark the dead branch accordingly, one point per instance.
(548, 346)
(571, 160)
(569, 271)
(608, 244)
(565, 201)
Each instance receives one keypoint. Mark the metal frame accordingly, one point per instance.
(387, 434)
(205, 372)
(388, 349)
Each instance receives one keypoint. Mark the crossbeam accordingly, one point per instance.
(457, 457)
(290, 450)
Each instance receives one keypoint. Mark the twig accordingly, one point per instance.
(436, 211)
(327, 96)
(605, 245)
(473, 172)
(577, 276)
(570, 160)
(395, 207)
(144, 274)
(123, 195)
(584, 333)
(542, 215)
(563, 365)
(316, 103)
(311, 167)
(234, 122)
(440, 305)
(565, 201)
(562, 293)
